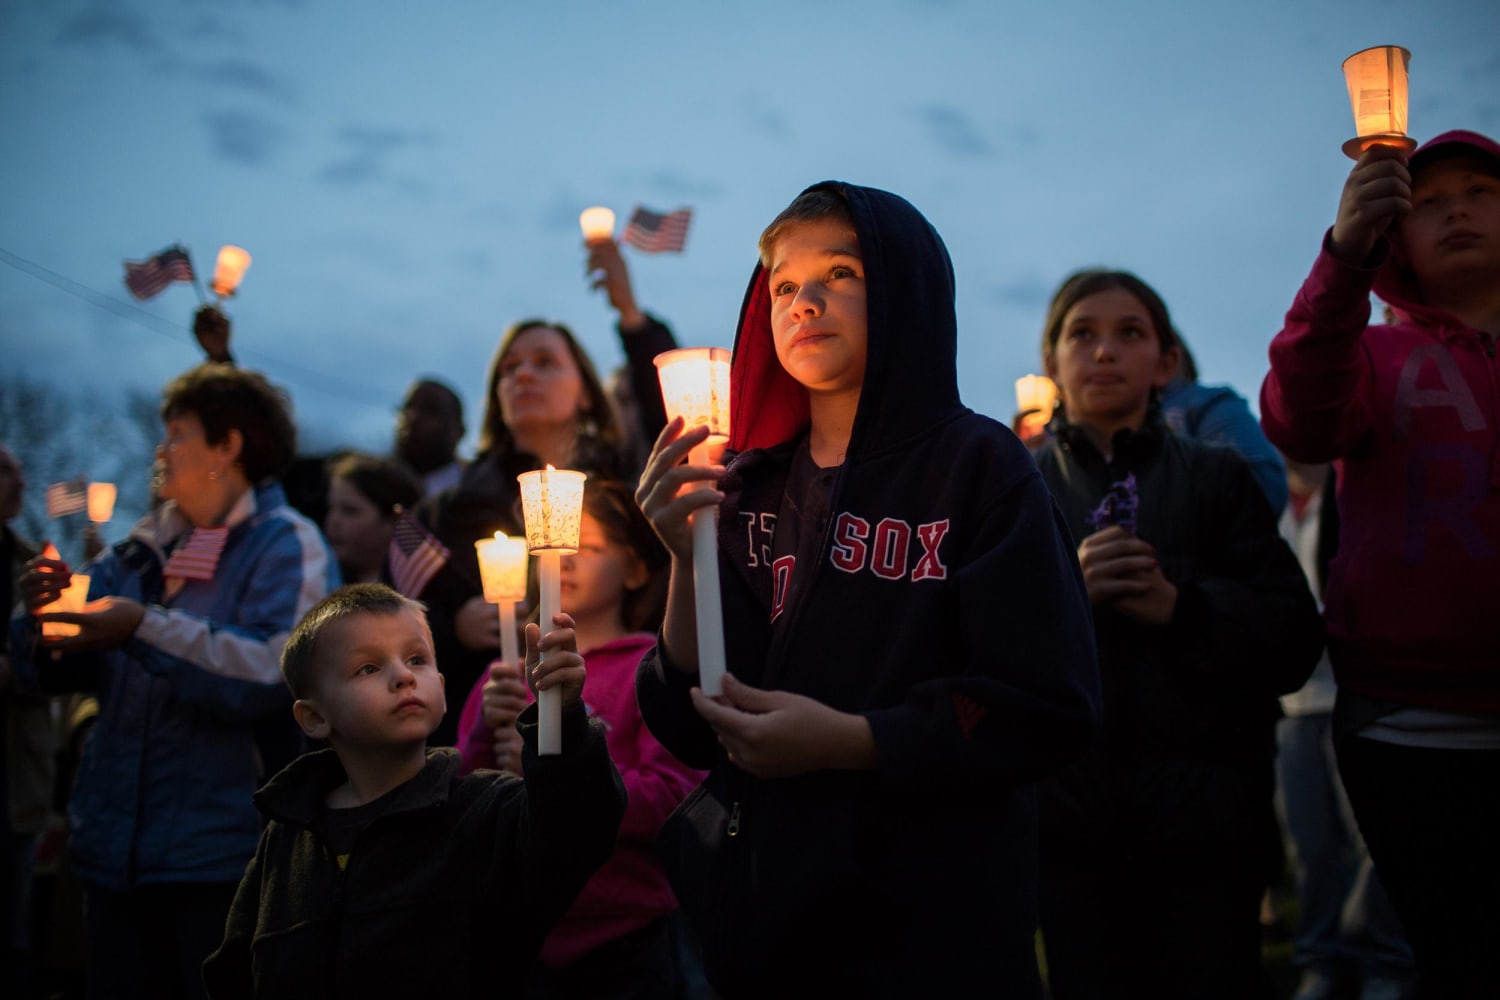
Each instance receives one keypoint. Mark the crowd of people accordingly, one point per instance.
(1001, 716)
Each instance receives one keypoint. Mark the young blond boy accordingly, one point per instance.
(907, 631)
(383, 873)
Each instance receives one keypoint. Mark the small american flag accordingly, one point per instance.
(146, 278)
(415, 555)
(654, 232)
(67, 498)
(197, 556)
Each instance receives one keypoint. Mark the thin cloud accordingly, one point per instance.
(244, 136)
(952, 131)
(668, 183)
(766, 120)
(245, 76)
(106, 26)
(1025, 293)
(367, 152)
(373, 139)
(350, 170)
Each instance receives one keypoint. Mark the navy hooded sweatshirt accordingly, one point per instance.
(940, 598)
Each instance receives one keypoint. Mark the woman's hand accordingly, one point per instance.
(1122, 570)
(43, 579)
(477, 624)
(105, 623)
(660, 491)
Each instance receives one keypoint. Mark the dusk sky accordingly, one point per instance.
(408, 176)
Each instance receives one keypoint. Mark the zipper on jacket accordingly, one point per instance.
(734, 820)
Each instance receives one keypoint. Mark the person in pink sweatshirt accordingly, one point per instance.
(1409, 412)
(621, 938)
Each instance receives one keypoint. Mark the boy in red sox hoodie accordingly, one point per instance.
(906, 626)
(1410, 414)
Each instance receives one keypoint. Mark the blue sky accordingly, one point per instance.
(408, 177)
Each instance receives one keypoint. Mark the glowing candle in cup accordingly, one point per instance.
(229, 270)
(1036, 392)
(71, 599)
(597, 223)
(502, 564)
(1376, 78)
(695, 386)
(101, 502)
(552, 504)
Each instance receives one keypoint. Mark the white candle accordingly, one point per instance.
(548, 700)
(711, 664)
(695, 386)
(502, 566)
(552, 504)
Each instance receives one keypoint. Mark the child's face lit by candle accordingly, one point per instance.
(818, 309)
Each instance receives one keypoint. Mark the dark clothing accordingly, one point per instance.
(1184, 771)
(940, 600)
(640, 965)
(1169, 920)
(488, 499)
(1428, 817)
(446, 895)
(150, 941)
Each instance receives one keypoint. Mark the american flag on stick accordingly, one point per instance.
(654, 232)
(197, 556)
(415, 555)
(67, 498)
(148, 278)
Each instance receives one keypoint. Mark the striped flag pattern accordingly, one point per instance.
(654, 232)
(146, 278)
(415, 555)
(197, 556)
(67, 498)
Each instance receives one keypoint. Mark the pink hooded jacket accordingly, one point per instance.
(1410, 415)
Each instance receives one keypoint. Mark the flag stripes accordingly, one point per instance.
(415, 555)
(655, 232)
(197, 556)
(147, 278)
(67, 498)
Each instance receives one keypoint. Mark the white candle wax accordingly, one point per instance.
(710, 616)
(549, 701)
(509, 650)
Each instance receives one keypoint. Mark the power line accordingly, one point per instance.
(330, 385)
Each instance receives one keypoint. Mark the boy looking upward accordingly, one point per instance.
(1409, 413)
(907, 631)
(377, 853)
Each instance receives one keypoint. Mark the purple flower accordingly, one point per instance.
(1119, 506)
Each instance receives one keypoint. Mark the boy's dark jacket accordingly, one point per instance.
(1189, 707)
(449, 893)
(977, 677)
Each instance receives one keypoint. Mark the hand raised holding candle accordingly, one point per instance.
(562, 667)
(1377, 193)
